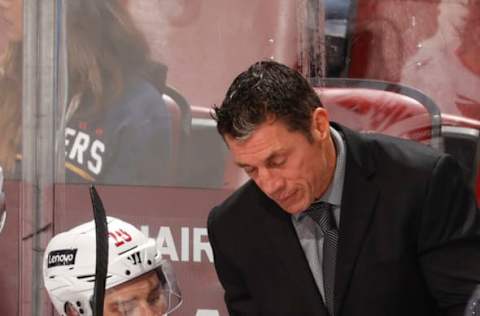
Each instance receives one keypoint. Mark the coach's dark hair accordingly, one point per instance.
(266, 90)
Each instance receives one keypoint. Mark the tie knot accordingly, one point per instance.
(321, 213)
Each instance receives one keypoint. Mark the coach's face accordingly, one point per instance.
(292, 170)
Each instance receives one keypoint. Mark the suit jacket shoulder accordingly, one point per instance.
(247, 207)
(370, 150)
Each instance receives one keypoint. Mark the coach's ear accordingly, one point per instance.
(320, 128)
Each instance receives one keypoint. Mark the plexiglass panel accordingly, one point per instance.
(141, 77)
(11, 25)
(117, 93)
(430, 45)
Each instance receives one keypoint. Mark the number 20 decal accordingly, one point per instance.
(120, 236)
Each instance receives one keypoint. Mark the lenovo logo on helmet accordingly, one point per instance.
(63, 257)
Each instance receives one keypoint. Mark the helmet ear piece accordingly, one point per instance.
(70, 310)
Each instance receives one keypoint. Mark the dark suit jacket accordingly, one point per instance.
(409, 240)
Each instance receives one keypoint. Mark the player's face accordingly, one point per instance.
(140, 297)
(287, 167)
(11, 13)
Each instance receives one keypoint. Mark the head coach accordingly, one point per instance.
(334, 222)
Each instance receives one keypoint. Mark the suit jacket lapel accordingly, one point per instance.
(284, 241)
(358, 203)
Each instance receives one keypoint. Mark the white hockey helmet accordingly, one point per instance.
(69, 265)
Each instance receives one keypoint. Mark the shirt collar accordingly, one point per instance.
(333, 195)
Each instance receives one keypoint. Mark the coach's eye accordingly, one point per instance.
(277, 162)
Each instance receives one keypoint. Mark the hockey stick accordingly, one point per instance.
(101, 263)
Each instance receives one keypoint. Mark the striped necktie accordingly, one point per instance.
(322, 214)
